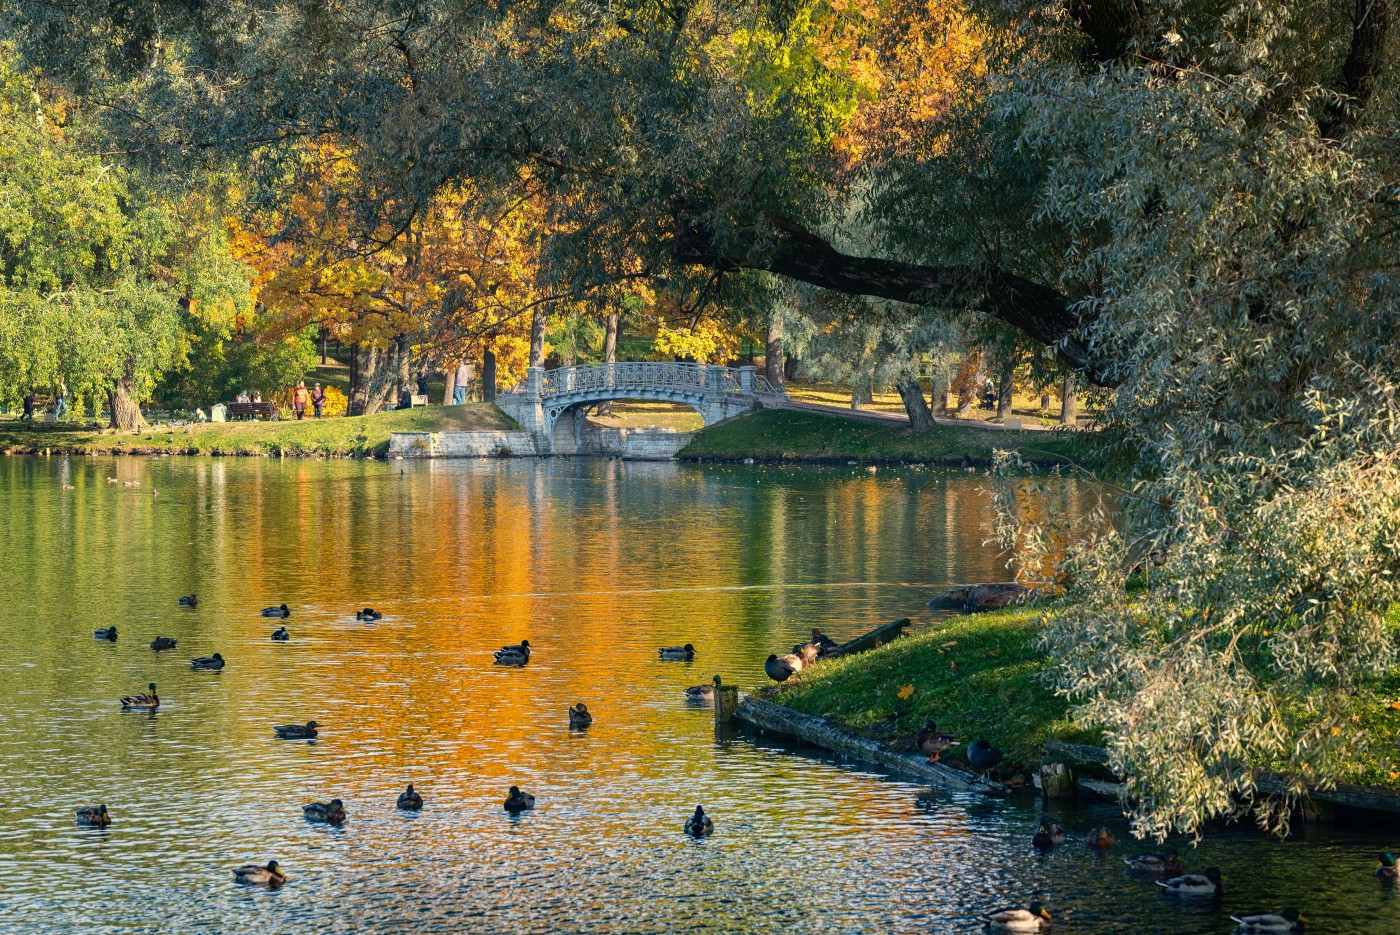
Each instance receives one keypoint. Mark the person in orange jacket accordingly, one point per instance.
(299, 397)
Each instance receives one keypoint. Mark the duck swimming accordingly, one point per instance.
(1195, 884)
(271, 875)
(1387, 870)
(281, 635)
(579, 718)
(517, 801)
(1048, 836)
(143, 701)
(779, 670)
(369, 613)
(279, 611)
(332, 812)
(106, 633)
(678, 653)
(409, 800)
(1032, 919)
(1168, 864)
(931, 741)
(1289, 920)
(1102, 837)
(699, 825)
(163, 642)
(208, 662)
(95, 817)
(506, 657)
(297, 731)
(702, 692)
(189, 600)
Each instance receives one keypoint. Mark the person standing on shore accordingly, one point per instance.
(299, 396)
(318, 398)
(459, 386)
(28, 407)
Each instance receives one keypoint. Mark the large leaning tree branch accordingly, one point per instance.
(1037, 311)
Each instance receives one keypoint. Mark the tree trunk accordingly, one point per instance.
(451, 372)
(862, 393)
(1006, 390)
(354, 397)
(613, 327)
(920, 418)
(537, 323)
(790, 366)
(403, 371)
(1068, 405)
(488, 376)
(325, 335)
(773, 351)
(370, 380)
(121, 401)
(940, 395)
(967, 382)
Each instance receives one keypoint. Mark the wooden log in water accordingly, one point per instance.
(726, 703)
(876, 637)
(820, 732)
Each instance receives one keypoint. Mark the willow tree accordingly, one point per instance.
(1194, 201)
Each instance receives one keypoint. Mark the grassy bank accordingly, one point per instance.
(977, 676)
(354, 436)
(786, 435)
(982, 676)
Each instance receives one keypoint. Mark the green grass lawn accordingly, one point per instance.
(352, 436)
(777, 434)
(977, 676)
(982, 675)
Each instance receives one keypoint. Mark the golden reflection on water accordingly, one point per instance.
(597, 563)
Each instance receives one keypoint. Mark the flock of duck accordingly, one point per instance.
(333, 812)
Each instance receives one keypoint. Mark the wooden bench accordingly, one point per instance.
(249, 410)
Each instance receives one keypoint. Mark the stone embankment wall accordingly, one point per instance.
(653, 444)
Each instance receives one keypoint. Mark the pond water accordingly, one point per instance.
(597, 563)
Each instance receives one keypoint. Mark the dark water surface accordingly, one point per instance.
(597, 563)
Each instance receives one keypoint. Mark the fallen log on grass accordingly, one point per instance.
(876, 637)
(820, 732)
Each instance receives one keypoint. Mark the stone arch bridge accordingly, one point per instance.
(547, 396)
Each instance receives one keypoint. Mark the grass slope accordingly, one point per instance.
(352, 436)
(787, 435)
(977, 676)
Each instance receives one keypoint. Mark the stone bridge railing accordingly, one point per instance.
(715, 392)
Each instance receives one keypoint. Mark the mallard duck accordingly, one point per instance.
(679, 653)
(143, 701)
(281, 635)
(279, 611)
(1168, 864)
(369, 613)
(163, 642)
(1048, 836)
(189, 600)
(778, 669)
(982, 755)
(521, 648)
(409, 800)
(825, 643)
(579, 718)
(1289, 920)
(517, 801)
(208, 662)
(511, 658)
(1195, 884)
(332, 812)
(106, 633)
(931, 741)
(1032, 919)
(95, 817)
(1102, 837)
(699, 825)
(271, 875)
(702, 692)
(1387, 870)
(807, 652)
(297, 731)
